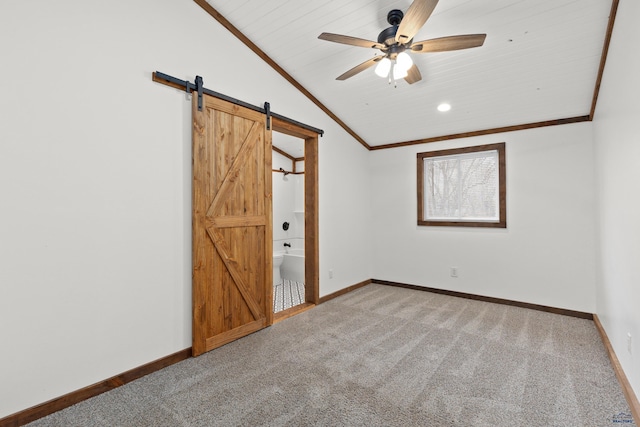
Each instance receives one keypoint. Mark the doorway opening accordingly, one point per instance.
(295, 226)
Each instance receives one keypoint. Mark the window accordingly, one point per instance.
(464, 187)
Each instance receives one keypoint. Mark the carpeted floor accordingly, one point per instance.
(382, 356)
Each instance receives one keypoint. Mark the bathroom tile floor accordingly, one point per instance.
(287, 294)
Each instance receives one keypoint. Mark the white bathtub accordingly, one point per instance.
(293, 265)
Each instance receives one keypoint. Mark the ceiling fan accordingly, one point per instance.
(397, 40)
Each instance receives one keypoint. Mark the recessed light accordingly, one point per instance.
(444, 107)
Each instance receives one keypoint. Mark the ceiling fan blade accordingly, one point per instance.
(414, 19)
(353, 41)
(358, 68)
(445, 44)
(413, 75)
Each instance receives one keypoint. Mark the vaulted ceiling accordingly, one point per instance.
(539, 63)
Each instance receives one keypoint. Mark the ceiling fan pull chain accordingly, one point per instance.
(392, 74)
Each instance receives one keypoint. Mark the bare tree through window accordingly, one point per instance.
(462, 187)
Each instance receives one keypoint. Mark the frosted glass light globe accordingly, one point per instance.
(403, 61)
(399, 72)
(383, 67)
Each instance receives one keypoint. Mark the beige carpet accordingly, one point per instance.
(382, 356)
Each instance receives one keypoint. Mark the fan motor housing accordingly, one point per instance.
(388, 35)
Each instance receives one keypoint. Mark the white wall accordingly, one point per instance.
(617, 137)
(345, 216)
(546, 255)
(288, 205)
(95, 249)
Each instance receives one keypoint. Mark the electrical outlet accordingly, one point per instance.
(331, 273)
(629, 343)
(454, 271)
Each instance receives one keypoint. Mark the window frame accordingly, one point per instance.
(502, 186)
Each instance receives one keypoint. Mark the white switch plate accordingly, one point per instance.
(454, 271)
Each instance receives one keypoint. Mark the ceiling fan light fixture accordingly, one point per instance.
(403, 61)
(383, 67)
(396, 42)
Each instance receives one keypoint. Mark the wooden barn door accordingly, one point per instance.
(232, 231)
